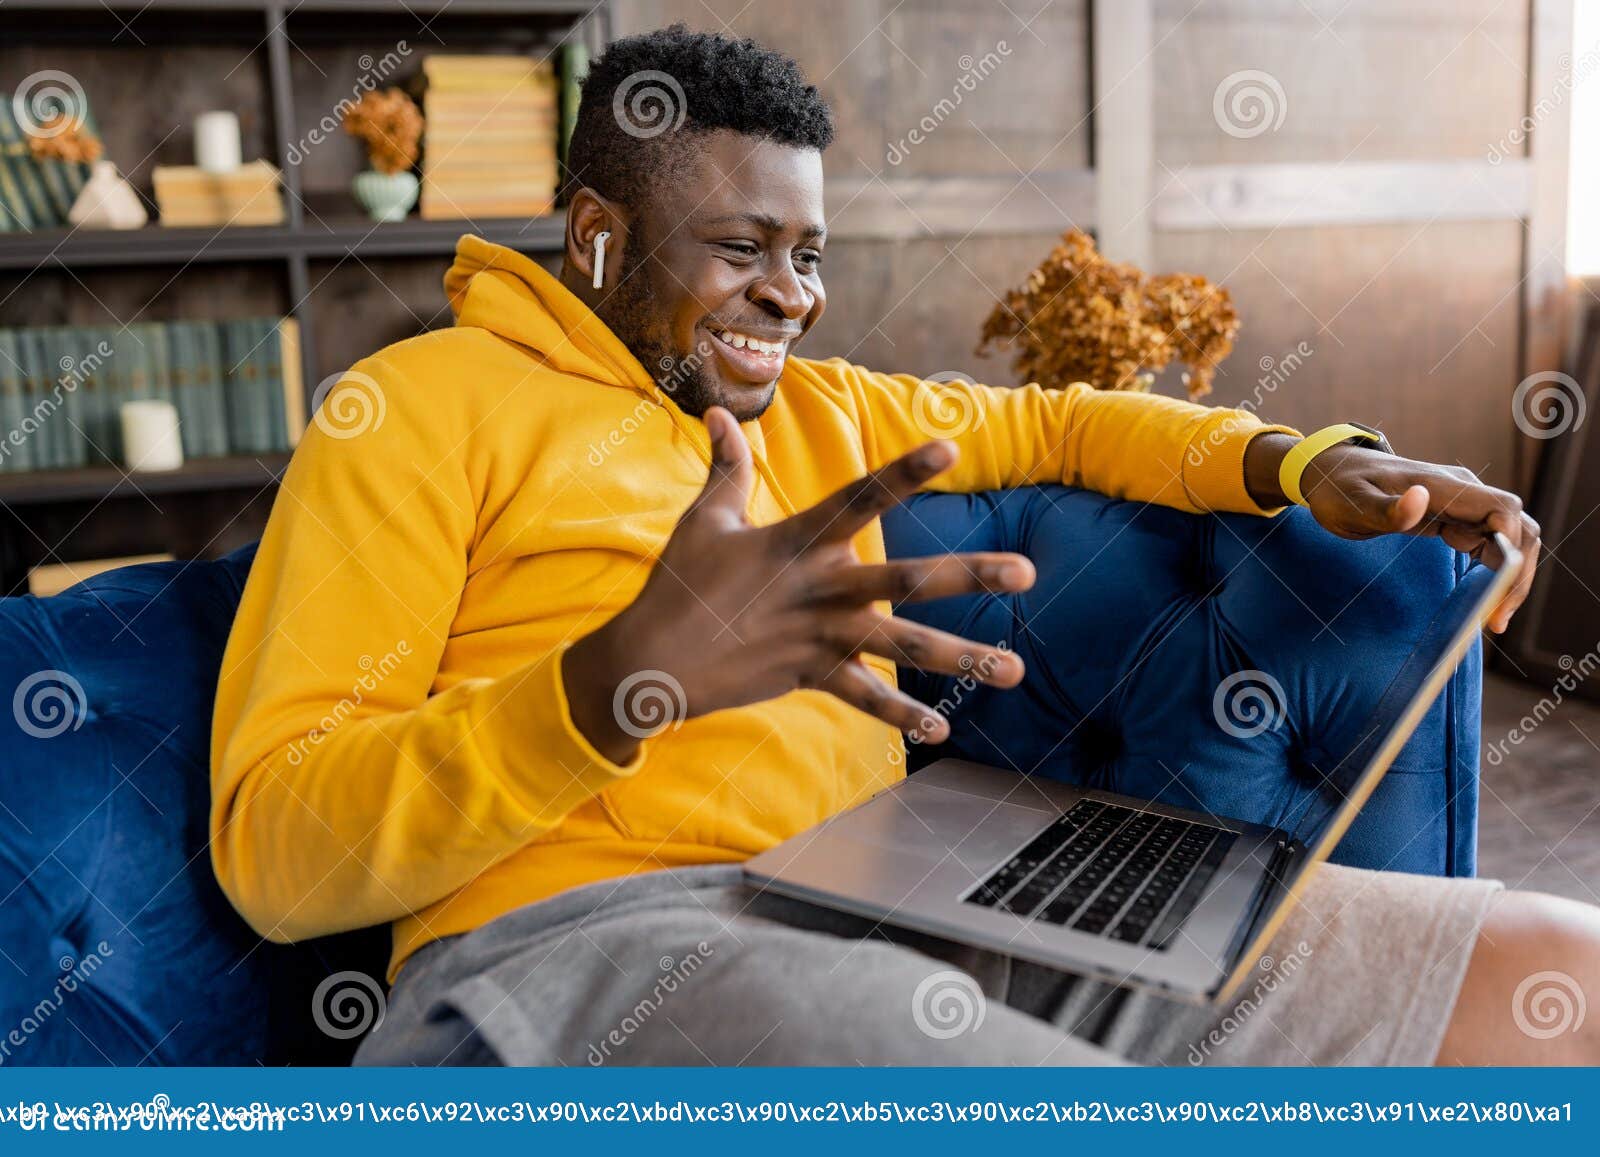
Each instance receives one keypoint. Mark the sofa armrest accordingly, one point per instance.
(1148, 625)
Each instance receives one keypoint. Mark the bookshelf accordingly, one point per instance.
(148, 66)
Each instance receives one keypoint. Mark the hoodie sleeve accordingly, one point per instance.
(345, 792)
(1143, 447)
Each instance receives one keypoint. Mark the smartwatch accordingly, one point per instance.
(1294, 464)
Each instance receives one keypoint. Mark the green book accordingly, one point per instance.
(61, 181)
(14, 449)
(12, 213)
(263, 337)
(273, 372)
(153, 369)
(104, 384)
(181, 379)
(267, 385)
(235, 387)
(14, 144)
(76, 379)
(209, 368)
(249, 421)
(12, 194)
(49, 418)
(26, 344)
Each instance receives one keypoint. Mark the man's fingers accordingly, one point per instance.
(732, 472)
(1407, 510)
(921, 579)
(839, 516)
(858, 686)
(925, 648)
(1530, 546)
(1465, 501)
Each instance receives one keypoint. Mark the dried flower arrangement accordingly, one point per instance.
(390, 124)
(63, 138)
(1082, 318)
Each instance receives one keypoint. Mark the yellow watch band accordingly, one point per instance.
(1294, 464)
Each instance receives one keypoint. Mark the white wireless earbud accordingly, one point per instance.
(600, 240)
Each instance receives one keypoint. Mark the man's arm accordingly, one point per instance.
(1143, 447)
(344, 793)
(1150, 448)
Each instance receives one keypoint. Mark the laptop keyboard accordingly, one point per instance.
(1110, 871)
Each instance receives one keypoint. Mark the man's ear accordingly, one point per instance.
(589, 215)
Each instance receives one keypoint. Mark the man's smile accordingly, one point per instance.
(749, 357)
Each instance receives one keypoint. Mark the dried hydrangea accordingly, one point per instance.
(1082, 318)
(390, 123)
(63, 138)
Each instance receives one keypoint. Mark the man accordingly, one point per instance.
(617, 550)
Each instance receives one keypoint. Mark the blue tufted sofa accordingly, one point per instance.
(116, 946)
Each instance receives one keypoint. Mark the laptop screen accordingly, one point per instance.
(1443, 643)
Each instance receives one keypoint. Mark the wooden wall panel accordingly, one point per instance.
(1411, 327)
(884, 66)
(1364, 79)
(916, 307)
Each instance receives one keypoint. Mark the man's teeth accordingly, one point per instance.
(741, 341)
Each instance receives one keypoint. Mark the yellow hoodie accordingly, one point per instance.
(391, 739)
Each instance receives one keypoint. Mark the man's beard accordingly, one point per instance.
(631, 312)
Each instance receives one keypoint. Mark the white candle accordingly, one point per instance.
(216, 141)
(150, 439)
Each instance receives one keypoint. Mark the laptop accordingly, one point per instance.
(1126, 890)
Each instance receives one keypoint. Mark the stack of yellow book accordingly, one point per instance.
(190, 197)
(489, 141)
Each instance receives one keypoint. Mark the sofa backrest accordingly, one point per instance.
(118, 945)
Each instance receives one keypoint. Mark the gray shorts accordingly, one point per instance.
(689, 967)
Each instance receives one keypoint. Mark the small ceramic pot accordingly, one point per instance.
(386, 196)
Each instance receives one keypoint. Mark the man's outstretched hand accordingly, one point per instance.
(735, 614)
(1357, 492)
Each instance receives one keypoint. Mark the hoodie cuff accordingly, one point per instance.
(1213, 463)
(540, 756)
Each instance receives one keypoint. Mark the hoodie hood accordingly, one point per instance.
(507, 293)
(510, 294)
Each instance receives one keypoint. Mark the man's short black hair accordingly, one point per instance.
(649, 95)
